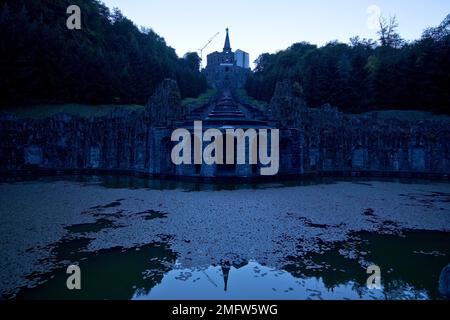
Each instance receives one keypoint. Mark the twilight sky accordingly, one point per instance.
(259, 26)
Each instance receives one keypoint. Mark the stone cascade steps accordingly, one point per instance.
(226, 108)
(227, 112)
(199, 113)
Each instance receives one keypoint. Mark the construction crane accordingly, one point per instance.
(204, 47)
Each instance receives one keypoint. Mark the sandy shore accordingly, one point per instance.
(264, 225)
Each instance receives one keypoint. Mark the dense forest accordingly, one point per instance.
(365, 75)
(109, 60)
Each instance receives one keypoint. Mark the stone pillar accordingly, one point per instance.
(207, 170)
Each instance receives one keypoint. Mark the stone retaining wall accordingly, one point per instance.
(320, 141)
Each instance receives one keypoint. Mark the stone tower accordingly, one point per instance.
(222, 70)
(227, 47)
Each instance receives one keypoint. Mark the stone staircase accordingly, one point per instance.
(227, 112)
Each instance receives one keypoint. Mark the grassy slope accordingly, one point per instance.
(201, 100)
(243, 96)
(81, 110)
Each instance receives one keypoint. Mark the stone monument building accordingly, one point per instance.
(226, 68)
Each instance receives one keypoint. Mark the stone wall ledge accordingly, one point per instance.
(47, 172)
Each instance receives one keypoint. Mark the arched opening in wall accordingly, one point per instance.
(166, 165)
(33, 156)
(295, 159)
(358, 157)
(139, 156)
(253, 148)
(195, 140)
(227, 169)
(121, 154)
(313, 160)
(94, 156)
(286, 151)
(417, 161)
(397, 160)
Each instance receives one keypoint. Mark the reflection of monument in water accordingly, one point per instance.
(226, 272)
(226, 269)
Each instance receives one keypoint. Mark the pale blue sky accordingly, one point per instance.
(259, 26)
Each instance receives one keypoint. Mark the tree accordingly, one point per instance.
(389, 36)
(192, 60)
(440, 32)
(110, 60)
(364, 75)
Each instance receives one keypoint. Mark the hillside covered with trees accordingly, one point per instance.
(364, 75)
(109, 61)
